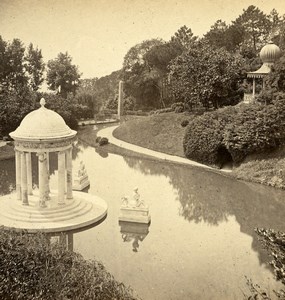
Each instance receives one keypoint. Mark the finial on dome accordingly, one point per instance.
(42, 102)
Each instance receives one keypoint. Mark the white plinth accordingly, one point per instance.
(135, 214)
(81, 183)
(83, 210)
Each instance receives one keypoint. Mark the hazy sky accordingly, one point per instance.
(98, 33)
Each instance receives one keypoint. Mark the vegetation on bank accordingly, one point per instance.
(165, 133)
(274, 242)
(31, 267)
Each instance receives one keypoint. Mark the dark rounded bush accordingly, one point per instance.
(235, 132)
(203, 138)
(179, 109)
(103, 141)
(184, 123)
(98, 139)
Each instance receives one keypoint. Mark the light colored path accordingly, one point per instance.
(108, 133)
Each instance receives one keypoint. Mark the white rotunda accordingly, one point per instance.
(41, 132)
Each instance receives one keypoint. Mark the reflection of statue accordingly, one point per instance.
(133, 233)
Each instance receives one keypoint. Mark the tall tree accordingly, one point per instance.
(206, 76)
(35, 67)
(222, 35)
(256, 26)
(62, 75)
(12, 67)
(184, 37)
(141, 82)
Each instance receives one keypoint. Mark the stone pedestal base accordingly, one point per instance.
(81, 183)
(135, 214)
(83, 210)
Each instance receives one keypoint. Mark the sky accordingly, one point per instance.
(98, 33)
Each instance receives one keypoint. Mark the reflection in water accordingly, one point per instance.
(133, 232)
(63, 238)
(202, 237)
(7, 176)
(212, 198)
(102, 152)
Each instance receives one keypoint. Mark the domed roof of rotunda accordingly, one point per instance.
(42, 124)
(270, 53)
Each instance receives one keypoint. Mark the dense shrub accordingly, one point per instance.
(203, 140)
(103, 141)
(254, 129)
(179, 109)
(177, 104)
(33, 268)
(184, 123)
(238, 131)
(161, 111)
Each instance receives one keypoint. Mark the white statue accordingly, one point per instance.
(82, 170)
(125, 201)
(136, 197)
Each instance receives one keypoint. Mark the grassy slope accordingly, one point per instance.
(164, 133)
(157, 132)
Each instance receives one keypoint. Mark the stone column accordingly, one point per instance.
(24, 185)
(69, 173)
(48, 177)
(70, 241)
(61, 177)
(120, 99)
(253, 89)
(29, 173)
(42, 179)
(18, 175)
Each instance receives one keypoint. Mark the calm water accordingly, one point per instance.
(200, 243)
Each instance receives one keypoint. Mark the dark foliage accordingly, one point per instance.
(33, 268)
(238, 131)
(184, 123)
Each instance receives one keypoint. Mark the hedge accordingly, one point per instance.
(235, 132)
(203, 140)
(33, 268)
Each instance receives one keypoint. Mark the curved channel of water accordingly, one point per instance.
(200, 243)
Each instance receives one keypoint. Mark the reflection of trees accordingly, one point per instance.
(207, 196)
(7, 176)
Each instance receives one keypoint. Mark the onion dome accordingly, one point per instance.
(42, 124)
(270, 53)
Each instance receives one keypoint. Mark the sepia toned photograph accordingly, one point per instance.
(142, 150)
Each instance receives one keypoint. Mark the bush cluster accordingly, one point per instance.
(203, 140)
(161, 111)
(177, 107)
(102, 141)
(33, 268)
(184, 123)
(235, 131)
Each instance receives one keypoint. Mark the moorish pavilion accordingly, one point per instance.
(268, 54)
(42, 132)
